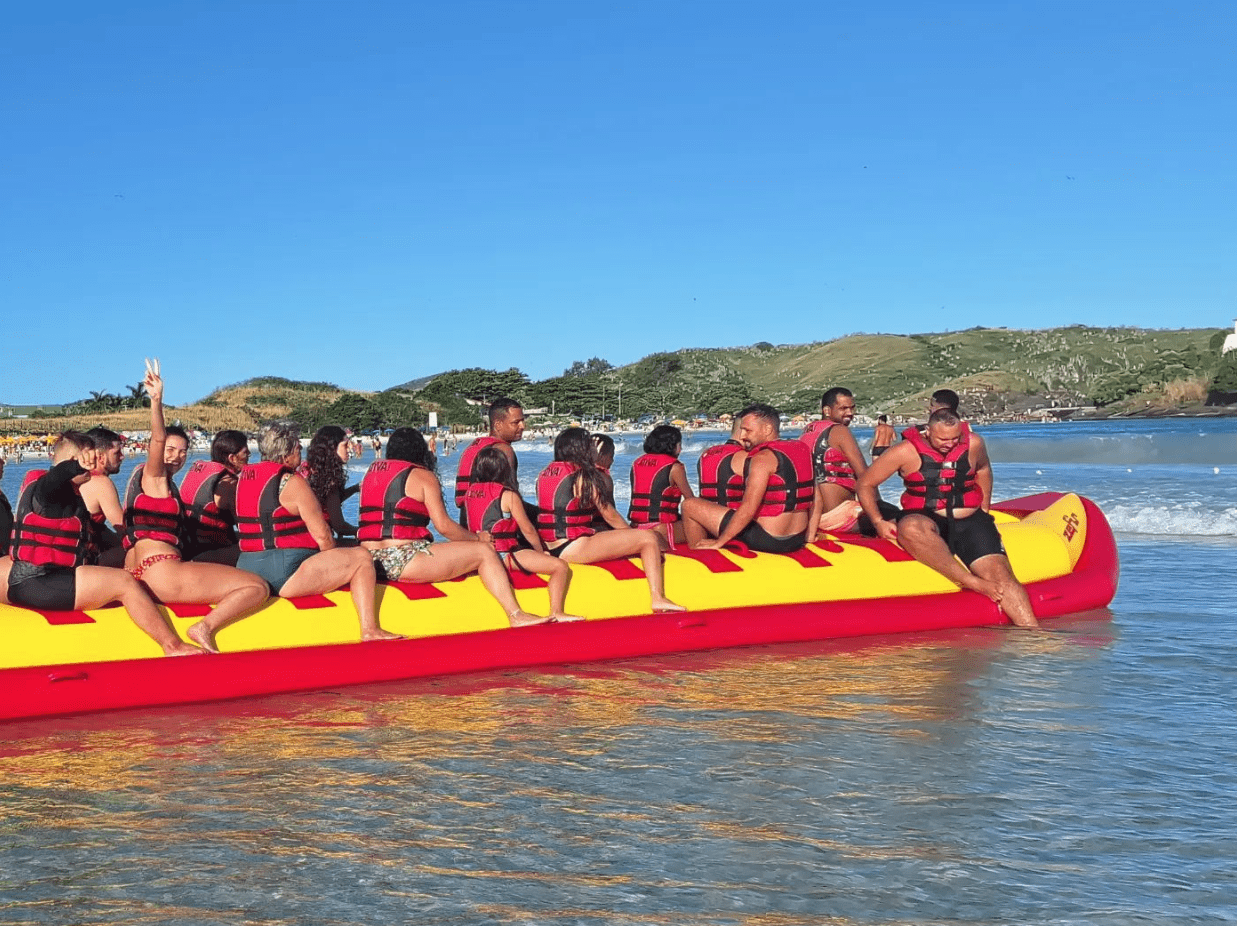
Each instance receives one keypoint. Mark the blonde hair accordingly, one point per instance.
(278, 440)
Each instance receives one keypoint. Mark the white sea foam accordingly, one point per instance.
(1173, 520)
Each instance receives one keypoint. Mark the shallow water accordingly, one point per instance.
(986, 776)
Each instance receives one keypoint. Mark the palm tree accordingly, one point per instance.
(137, 395)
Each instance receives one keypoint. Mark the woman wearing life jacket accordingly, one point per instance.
(208, 490)
(494, 504)
(569, 491)
(324, 463)
(658, 486)
(155, 530)
(50, 536)
(400, 497)
(285, 539)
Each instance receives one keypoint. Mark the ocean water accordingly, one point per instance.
(1085, 775)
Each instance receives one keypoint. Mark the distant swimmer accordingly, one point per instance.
(778, 489)
(884, 437)
(506, 417)
(948, 489)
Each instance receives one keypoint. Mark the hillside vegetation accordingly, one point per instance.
(999, 372)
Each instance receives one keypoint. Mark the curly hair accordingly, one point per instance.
(408, 444)
(326, 469)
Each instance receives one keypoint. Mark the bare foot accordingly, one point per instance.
(378, 633)
(182, 649)
(524, 619)
(200, 634)
(663, 605)
(559, 617)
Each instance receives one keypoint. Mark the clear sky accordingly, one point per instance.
(367, 192)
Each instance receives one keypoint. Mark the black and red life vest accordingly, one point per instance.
(464, 475)
(484, 503)
(206, 526)
(944, 481)
(717, 479)
(44, 541)
(654, 498)
(261, 522)
(792, 484)
(560, 515)
(828, 463)
(386, 511)
(150, 518)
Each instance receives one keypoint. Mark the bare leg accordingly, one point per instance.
(334, 568)
(97, 585)
(559, 579)
(702, 519)
(233, 593)
(620, 544)
(460, 557)
(1014, 600)
(920, 538)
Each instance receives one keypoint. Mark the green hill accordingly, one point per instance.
(999, 371)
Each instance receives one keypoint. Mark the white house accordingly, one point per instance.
(1230, 343)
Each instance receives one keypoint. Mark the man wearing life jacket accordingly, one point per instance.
(778, 489)
(948, 479)
(837, 463)
(506, 418)
(50, 538)
(719, 470)
(103, 500)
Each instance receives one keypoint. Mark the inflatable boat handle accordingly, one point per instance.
(67, 677)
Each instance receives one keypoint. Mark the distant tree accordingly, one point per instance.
(1226, 376)
(590, 367)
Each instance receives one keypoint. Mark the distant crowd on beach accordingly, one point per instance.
(233, 532)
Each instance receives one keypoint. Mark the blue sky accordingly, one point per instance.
(366, 192)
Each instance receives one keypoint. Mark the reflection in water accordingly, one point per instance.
(775, 785)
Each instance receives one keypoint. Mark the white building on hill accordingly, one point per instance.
(1230, 343)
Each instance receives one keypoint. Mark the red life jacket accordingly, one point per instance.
(464, 475)
(716, 476)
(560, 515)
(828, 463)
(43, 541)
(386, 512)
(944, 481)
(150, 518)
(484, 502)
(207, 527)
(261, 522)
(654, 498)
(792, 484)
